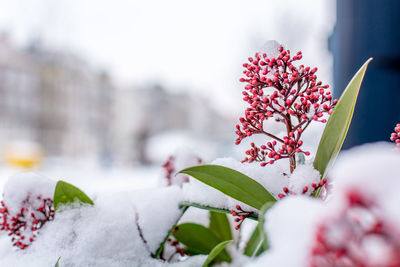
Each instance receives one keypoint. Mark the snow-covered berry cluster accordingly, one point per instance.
(170, 169)
(359, 235)
(279, 89)
(395, 137)
(23, 226)
(179, 160)
(240, 215)
(178, 248)
(307, 190)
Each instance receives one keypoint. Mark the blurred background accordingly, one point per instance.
(123, 84)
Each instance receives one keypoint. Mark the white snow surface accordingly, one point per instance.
(157, 210)
(271, 48)
(289, 226)
(303, 175)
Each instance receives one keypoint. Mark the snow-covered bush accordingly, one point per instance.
(26, 207)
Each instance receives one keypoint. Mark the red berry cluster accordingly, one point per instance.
(173, 248)
(307, 190)
(178, 248)
(23, 226)
(169, 167)
(276, 88)
(340, 241)
(395, 137)
(241, 215)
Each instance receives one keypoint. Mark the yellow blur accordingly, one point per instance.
(26, 155)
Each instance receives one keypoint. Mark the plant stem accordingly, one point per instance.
(292, 156)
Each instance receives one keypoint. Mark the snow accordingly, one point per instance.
(289, 226)
(105, 234)
(161, 203)
(271, 48)
(25, 184)
(303, 175)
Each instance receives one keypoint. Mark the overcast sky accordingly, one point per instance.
(184, 44)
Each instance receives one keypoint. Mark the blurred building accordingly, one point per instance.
(20, 94)
(59, 101)
(54, 99)
(151, 110)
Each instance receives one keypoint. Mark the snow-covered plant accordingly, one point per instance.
(23, 226)
(344, 238)
(181, 159)
(26, 207)
(358, 226)
(280, 89)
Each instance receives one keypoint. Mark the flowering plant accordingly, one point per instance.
(277, 88)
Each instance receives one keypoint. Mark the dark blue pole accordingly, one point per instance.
(369, 28)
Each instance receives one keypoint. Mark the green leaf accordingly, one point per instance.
(220, 225)
(216, 251)
(67, 193)
(232, 183)
(57, 263)
(196, 205)
(254, 245)
(199, 239)
(338, 124)
(260, 225)
(258, 242)
(161, 247)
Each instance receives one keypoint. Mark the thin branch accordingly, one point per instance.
(140, 230)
